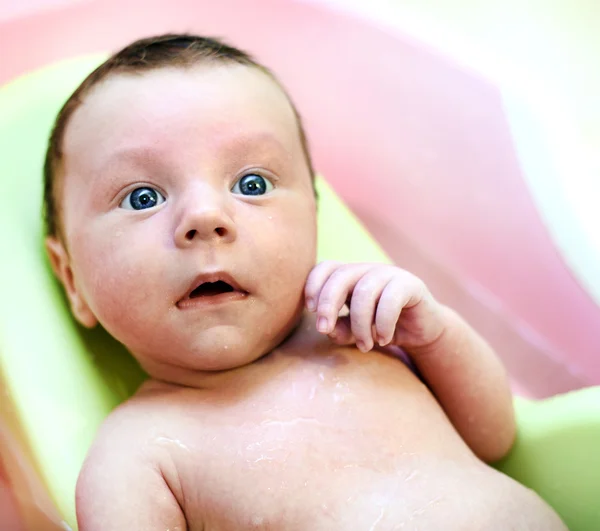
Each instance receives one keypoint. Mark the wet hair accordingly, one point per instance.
(170, 50)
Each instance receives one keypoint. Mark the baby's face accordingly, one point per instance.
(180, 178)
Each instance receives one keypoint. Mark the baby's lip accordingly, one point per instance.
(213, 278)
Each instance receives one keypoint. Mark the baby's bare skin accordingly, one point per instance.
(260, 414)
(313, 436)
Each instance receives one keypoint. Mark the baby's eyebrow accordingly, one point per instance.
(138, 158)
(255, 140)
(240, 143)
(142, 154)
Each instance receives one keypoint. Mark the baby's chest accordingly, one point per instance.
(301, 474)
(310, 454)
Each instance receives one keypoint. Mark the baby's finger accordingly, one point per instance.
(403, 291)
(316, 278)
(342, 333)
(335, 292)
(364, 301)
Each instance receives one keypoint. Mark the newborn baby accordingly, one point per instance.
(181, 216)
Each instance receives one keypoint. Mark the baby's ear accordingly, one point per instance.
(61, 265)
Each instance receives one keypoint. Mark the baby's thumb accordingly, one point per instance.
(342, 333)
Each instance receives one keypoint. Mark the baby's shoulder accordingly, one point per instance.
(129, 438)
(126, 466)
(139, 417)
(124, 430)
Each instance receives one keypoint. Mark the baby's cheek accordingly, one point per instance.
(291, 264)
(113, 279)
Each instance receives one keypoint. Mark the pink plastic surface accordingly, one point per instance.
(419, 148)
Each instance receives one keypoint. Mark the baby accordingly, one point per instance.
(181, 216)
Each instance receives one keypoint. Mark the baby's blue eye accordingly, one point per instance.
(142, 198)
(252, 184)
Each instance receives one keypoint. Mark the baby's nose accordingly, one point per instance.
(205, 218)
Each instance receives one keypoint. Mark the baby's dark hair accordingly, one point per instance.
(170, 50)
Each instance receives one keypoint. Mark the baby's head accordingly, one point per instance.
(180, 207)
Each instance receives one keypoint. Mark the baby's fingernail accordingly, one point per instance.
(382, 342)
(361, 346)
(310, 304)
(322, 324)
(333, 335)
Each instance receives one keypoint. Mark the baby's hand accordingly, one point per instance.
(387, 305)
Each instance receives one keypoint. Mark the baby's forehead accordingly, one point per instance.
(179, 106)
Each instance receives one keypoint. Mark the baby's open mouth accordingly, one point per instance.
(209, 289)
(214, 287)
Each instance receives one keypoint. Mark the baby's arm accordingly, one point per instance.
(467, 378)
(390, 306)
(122, 486)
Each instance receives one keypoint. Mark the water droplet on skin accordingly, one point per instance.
(412, 475)
(170, 441)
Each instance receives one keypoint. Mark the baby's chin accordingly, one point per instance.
(194, 366)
